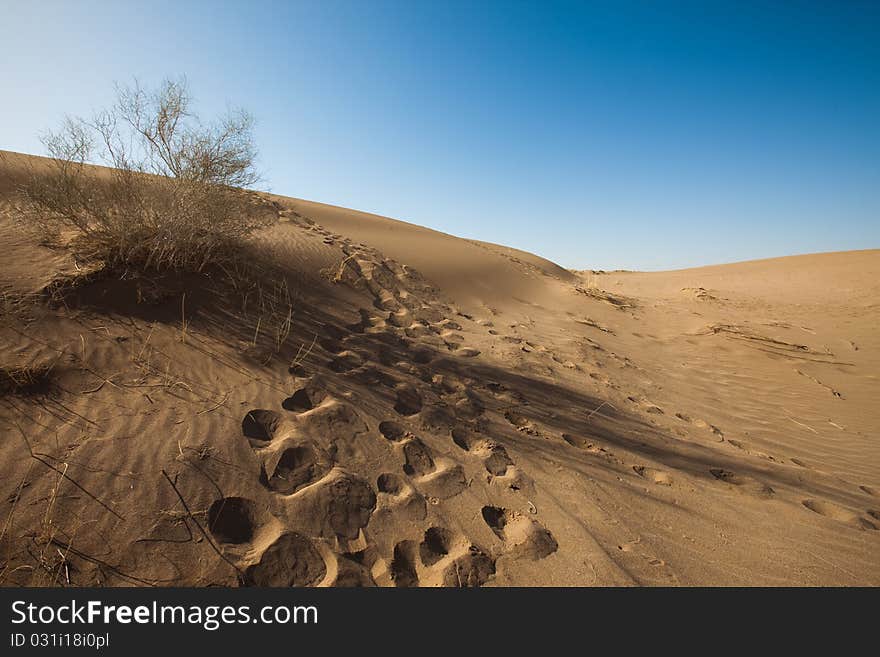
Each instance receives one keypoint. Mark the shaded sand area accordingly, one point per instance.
(395, 406)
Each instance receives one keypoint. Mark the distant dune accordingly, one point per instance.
(438, 412)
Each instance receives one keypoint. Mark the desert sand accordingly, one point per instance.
(403, 407)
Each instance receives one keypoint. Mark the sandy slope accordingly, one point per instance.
(464, 413)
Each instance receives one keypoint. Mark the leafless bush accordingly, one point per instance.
(174, 197)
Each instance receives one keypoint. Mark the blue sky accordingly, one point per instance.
(650, 135)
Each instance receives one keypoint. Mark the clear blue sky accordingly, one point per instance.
(601, 135)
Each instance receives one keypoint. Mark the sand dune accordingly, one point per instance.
(440, 412)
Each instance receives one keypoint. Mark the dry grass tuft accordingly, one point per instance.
(24, 380)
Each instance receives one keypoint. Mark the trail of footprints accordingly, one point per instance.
(323, 537)
(330, 506)
(405, 301)
(437, 480)
(743, 483)
(321, 540)
(443, 557)
(842, 514)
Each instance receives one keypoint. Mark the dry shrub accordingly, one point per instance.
(173, 198)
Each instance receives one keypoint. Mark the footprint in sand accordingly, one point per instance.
(306, 398)
(743, 482)
(438, 543)
(494, 456)
(646, 405)
(408, 400)
(839, 513)
(451, 343)
(401, 498)
(635, 549)
(291, 560)
(753, 452)
(496, 460)
(465, 439)
(658, 477)
(260, 425)
(287, 462)
(337, 507)
(440, 481)
(472, 569)
(522, 423)
(403, 564)
(440, 558)
(393, 431)
(469, 406)
(295, 462)
(435, 480)
(521, 535)
(438, 417)
(451, 337)
(233, 520)
(501, 468)
(461, 563)
(418, 329)
(702, 424)
(299, 402)
(421, 356)
(333, 332)
(296, 467)
(418, 458)
(331, 421)
(345, 361)
(373, 376)
(331, 345)
(590, 447)
(504, 394)
(390, 484)
(353, 570)
(448, 325)
(365, 322)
